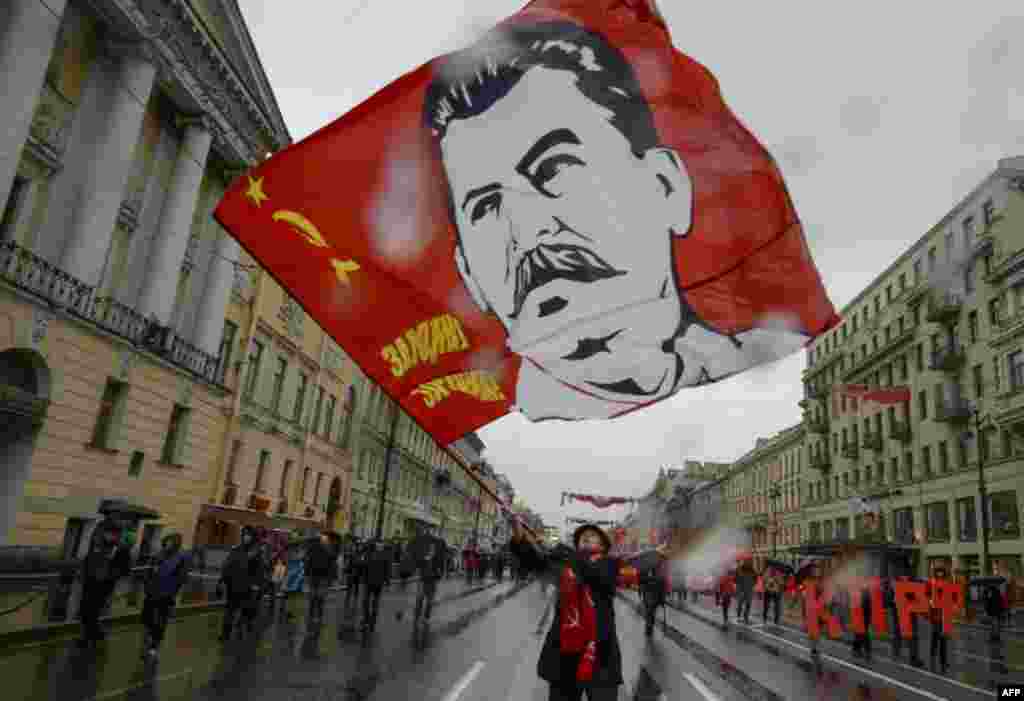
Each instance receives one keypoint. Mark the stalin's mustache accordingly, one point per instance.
(544, 264)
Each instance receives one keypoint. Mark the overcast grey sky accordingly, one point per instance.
(882, 115)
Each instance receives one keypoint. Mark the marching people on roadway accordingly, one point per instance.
(862, 641)
(773, 584)
(939, 642)
(746, 580)
(241, 580)
(109, 560)
(426, 557)
(654, 587)
(724, 593)
(377, 576)
(581, 652)
(321, 571)
(167, 575)
(355, 569)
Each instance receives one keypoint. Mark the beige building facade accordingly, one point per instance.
(944, 320)
(123, 125)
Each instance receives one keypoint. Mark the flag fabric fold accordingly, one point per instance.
(564, 219)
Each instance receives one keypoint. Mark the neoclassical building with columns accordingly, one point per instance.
(124, 121)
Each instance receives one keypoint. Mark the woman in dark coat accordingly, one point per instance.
(587, 583)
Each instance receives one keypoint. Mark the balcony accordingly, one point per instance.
(821, 462)
(948, 359)
(944, 308)
(817, 426)
(873, 441)
(900, 431)
(40, 278)
(1007, 329)
(850, 450)
(955, 412)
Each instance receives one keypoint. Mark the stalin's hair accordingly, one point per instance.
(471, 81)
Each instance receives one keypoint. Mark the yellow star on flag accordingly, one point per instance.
(255, 191)
(342, 268)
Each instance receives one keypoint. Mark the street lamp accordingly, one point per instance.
(982, 487)
(774, 493)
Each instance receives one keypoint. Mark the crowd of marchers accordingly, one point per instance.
(261, 575)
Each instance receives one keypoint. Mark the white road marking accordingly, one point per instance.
(884, 677)
(463, 683)
(701, 687)
(922, 671)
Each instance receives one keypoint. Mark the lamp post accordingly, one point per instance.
(774, 493)
(982, 489)
(379, 532)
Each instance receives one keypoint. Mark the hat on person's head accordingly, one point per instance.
(578, 534)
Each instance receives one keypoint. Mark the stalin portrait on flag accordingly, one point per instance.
(563, 219)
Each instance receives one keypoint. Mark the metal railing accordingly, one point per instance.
(29, 272)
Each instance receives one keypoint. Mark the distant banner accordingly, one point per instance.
(591, 522)
(855, 398)
(599, 502)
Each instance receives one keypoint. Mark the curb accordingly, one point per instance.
(747, 686)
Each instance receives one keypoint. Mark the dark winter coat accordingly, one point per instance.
(168, 575)
(104, 566)
(746, 580)
(553, 666)
(321, 562)
(242, 571)
(378, 569)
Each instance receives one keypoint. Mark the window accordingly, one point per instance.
(135, 466)
(917, 271)
(919, 357)
(937, 516)
(329, 418)
(174, 441)
(903, 520)
(843, 528)
(878, 305)
(931, 260)
(894, 470)
(111, 413)
(888, 293)
(227, 347)
(255, 360)
(978, 373)
(949, 246)
(1016, 366)
(903, 281)
(988, 213)
(304, 487)
(969, 233)
(994, 312)
(279, 375)
(996, 374)
(972, 326)
(286, 475)
(908, 467)
(316, 490)
(943, 456)
(300, 397)
(922, 404)
(967, 520)
(926, 460)
(261, 470)
(1004, 521)
(13, 208)
(969, 278)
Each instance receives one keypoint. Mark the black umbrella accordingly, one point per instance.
(780, 566)
(988, 581)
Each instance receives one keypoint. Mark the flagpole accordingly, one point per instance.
(387, 471)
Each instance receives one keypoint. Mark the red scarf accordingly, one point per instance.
(578, 625)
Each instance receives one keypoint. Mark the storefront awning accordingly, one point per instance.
(257, 519)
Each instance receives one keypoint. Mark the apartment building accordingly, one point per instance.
(285, 462)
(762, 491)
(946, 320)
(124, 123)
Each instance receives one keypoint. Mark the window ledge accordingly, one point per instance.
(101, 449)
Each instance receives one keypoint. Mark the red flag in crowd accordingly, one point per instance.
(564, 219)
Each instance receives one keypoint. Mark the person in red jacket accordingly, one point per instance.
(940, 643)
(726, 591)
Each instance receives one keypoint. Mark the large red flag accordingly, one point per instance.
(564, 219)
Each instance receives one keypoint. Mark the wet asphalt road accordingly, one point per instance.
(482, 645)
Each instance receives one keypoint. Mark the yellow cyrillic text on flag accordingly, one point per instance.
(479, 384)
(425, 343)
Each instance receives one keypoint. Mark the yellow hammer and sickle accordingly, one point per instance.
(303, 226)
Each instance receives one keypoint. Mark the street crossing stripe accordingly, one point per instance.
(463, 683)
(879, 675)
(701, 687)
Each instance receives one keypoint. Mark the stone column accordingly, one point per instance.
(26, 45)
(171, 241)
(213, 305)
(92, 227)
